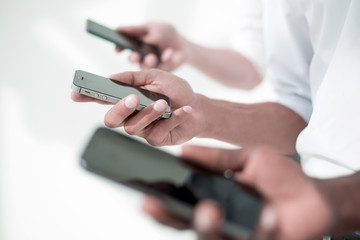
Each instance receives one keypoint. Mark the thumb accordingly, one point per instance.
(166, 55)
(207, 220)
(167, 60)
(135, 31)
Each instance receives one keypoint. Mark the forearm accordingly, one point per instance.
(224, 65)
(268, 123)
(344, 197)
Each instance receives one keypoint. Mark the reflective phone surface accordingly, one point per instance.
(150, 170)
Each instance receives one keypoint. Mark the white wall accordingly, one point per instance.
(44, 194)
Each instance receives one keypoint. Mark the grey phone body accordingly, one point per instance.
(179, 185)
(121, 40)
(111, 91)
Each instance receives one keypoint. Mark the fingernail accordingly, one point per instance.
(130, 102)
(150, 60)
(187, 109)
(167, 55)
(268, 219)
(160, 106)
(203, 221)
(133, 58)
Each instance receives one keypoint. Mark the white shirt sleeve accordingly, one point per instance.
(248, 38)
(289, 53)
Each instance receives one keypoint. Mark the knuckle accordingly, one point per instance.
(130, 129)
(260, 153)
(259, 157)
(109, 123)
(251, 176)
(110, 119)
(228, 160)
(154, 140)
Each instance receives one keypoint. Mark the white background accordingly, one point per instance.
(44, 194)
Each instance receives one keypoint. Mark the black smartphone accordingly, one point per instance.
(122, 40)
(112, 91)
(178, 184)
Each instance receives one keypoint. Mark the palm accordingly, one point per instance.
(165, 37)
(180, 94)
(178, 90)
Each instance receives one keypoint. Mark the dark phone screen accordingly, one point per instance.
(150, 170)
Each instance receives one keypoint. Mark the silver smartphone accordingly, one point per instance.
(177, 183)
(111, 91)
(121, 40)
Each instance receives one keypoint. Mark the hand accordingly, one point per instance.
(172, 46)
(186, 120)
(294, 208)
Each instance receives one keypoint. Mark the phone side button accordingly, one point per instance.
(96, 95)
(104, 98)
(112, 100)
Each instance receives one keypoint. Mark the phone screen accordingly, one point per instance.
(121, 40)
(150, 170)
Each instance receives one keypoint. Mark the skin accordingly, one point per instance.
(290, 197)
(224, 65)
(195, 115)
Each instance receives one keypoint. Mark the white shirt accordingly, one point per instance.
(313, 51)
(248, 37)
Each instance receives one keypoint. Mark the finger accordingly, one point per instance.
(175, 59)
(207, 220)
(157, 210)
(166, 55)
(260, 158)
(159, 134)
(118, 49)
(149, 61)
(136, 31)
(266, 229)
(145, 117)
(217, 159)
(117, 114)
(135, 57)
(77, 97)
(139, 78)
(167, 60)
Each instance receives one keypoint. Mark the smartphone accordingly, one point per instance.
(122, 40)
(178, 184)
(112, 91)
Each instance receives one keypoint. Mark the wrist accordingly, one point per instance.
(343, 203)
(210, 117)
(324, 188)
(201, 115)
(190, 51)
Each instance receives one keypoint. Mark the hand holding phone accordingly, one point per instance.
(177, 183)
(122, 40)
(187, 115)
